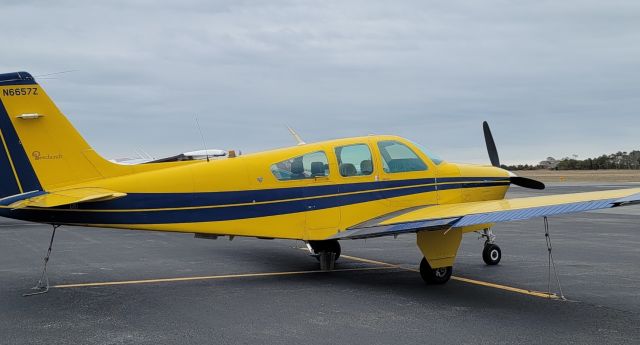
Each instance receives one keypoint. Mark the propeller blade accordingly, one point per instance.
(491, 145)
(526, 182)
(495, 161)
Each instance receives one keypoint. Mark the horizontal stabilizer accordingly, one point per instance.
(60, 198)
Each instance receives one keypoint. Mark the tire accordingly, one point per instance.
(434, 276)
(326, 246)
(491, 254)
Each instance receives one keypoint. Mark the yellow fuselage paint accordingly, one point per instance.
(252, 173)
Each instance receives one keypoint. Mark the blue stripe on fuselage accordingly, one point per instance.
(175, 200)
(119, 216)
(203, 199)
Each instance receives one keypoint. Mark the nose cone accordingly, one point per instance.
(497, 176)
(483, 171)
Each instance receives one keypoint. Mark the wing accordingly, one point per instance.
(60, 198)
(447, 216)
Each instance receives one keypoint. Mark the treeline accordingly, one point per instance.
(521, 167)
(619, 160)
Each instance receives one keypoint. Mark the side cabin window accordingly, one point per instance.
(354, 160)
(302, 167)
(398, 157)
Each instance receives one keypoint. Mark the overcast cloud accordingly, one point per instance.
(552, 77)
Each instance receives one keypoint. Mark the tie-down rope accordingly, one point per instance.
(551, 262)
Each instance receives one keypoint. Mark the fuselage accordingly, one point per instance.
(307, 192)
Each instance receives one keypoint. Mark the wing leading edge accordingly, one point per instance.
(439, 217)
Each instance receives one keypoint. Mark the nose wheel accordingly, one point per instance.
(491, 254)
(434, 276)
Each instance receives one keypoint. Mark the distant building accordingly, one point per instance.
(550, 163)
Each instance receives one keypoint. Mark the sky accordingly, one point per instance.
(553, 78)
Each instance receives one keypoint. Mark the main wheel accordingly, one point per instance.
(434, 276)
(491, 254)
(332, 246)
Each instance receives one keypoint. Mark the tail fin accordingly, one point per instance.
(39, 147)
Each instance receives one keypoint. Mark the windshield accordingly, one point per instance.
(434, 158)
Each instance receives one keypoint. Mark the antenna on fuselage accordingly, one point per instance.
(204, 143)
(48, 75)
(296, 136)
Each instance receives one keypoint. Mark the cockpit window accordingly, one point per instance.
(307, 166)
(398, 157)
(434, 158)
(354, 160)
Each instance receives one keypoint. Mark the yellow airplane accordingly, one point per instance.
(320, 193)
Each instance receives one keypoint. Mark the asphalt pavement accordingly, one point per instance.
(135, 287)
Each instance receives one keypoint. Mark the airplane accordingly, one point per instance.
(185, 156)
(320, 193)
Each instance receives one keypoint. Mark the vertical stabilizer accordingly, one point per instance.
(40, 149)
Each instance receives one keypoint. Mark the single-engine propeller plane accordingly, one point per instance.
(320, 193)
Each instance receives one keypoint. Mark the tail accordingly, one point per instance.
(39, 148)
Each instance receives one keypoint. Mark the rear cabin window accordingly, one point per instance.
(307, 166)
(354, 160)
(398, 157)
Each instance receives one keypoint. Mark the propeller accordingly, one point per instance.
(495, 161)
(491, 145)
(526, 182)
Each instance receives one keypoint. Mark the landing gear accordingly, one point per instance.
(434, 276)
(332, 246)
(327, 252)
(491, 254)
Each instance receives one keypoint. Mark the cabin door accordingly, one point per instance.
(321, 204)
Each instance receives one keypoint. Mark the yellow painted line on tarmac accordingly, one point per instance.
(368, 261)
(225, 276)
(507, 288)
(380, 266)
(461, 279)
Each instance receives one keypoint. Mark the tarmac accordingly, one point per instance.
(135, 287)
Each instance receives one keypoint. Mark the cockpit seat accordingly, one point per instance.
(348, 169)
